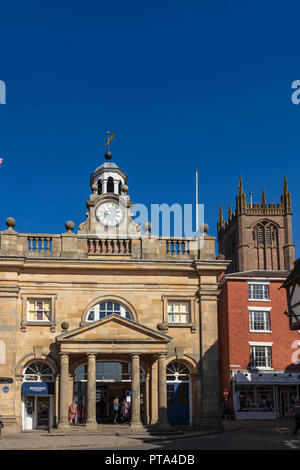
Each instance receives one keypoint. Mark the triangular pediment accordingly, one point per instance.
(114, 329)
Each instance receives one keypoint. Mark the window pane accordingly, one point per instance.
(258, 291)
(91, 316)
(178, 312)
(170, 395)
(259, 321)
(108, 308)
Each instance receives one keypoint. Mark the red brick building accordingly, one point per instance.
(258, 353)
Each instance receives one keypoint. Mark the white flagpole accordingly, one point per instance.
(197, 203)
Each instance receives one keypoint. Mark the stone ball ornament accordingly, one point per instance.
(69, 225)
(147, 227)
(10, 222)
(204, 228)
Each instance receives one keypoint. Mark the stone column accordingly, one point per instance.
(63, 422)
(116, 186)
(154, 394)
(104, 186)
(147, 398)
(162, 391)
(91, 392)
(135, 391)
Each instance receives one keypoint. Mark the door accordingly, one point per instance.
(178, 403)
(29, 412)
(43, 412)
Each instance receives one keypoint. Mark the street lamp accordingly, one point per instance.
(292, 286)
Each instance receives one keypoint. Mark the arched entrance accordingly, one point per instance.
(37, 396)
(178, 393)
(113, 379)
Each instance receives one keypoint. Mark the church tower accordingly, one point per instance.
(257, 236)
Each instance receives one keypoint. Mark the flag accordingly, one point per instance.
(1, 161)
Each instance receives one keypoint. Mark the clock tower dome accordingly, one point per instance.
(109, 204)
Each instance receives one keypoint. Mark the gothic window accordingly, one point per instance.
(265, 234)
(110, 185)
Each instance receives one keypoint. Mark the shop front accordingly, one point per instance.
(263, 395)
(37, 405)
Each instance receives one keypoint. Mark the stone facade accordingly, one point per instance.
(50, 283)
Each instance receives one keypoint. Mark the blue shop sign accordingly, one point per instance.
(38, 388)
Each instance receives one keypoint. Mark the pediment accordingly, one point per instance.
(114, 329)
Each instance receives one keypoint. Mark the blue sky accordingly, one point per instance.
(181, 84)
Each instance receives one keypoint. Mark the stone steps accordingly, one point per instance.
(115, 430)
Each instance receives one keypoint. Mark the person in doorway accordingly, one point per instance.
(73, 413)
(296, 410)
(126, 411)
(116, 406)
(78, 411)
(102, 406)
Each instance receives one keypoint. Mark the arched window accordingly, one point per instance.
(99, 187)
(265, 234)
(177, 372)
(110, 185)
(38, 372)
(107, 308)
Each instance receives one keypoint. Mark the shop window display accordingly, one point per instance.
(256, 398)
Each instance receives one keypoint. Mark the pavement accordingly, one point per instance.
(120, 438)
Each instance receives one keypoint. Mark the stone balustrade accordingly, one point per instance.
(98, 246)
(71, 245)
(177, 247)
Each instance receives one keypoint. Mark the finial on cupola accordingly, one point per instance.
(109, 139)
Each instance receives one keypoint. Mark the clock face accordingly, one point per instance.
(109, 213)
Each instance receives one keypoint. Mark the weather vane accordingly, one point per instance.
(109, 139)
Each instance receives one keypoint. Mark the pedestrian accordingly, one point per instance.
(73, 413)
(116, 406)
(296, 409)
(126, 411)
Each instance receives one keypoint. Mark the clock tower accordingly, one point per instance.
(109, 204)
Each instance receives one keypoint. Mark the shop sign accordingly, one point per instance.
(260, 377)
(38, 388)
(6, 380)
(5, 389)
